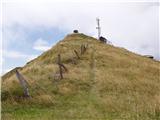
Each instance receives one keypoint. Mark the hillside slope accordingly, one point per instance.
(107, 82)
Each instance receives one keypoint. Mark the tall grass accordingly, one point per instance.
(107, 83)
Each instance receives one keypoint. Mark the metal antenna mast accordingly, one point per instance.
(98, 27)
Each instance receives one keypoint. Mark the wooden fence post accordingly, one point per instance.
(63, 67)
(23, 83)
(60, 68)
(81, 49)
(77, 54)
(84, 49)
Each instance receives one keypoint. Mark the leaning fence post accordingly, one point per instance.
(77, 54)
(23, 83)
(63, 67)
(84, 48)
(59, 64)
(81, 49)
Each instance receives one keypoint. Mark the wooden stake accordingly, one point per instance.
(84, 49)
(81, 49)
(23, 83)
(77, 54)
(60, 68)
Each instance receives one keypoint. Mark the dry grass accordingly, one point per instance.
(125, 85)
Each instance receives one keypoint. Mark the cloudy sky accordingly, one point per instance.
(29, 28)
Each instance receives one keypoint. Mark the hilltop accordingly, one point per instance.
(106, 82)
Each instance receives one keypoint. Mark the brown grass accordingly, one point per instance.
(126, 85)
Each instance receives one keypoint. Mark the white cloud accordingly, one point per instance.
(130, 25)
(41, 45)
(18, 55)
(51, 1)
(14, 57)
(31, 57)
(1, 62)
(14, 54)
(5, 71)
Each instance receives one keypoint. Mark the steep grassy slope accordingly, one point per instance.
(105, 83)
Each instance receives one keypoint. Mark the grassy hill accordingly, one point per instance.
(106, 83)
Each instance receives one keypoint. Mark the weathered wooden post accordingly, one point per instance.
(76, 54)
(81, 49)
(84, 48)
(23, 84)
(61, 66)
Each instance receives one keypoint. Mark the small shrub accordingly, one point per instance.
(18, 91)
(4, 95)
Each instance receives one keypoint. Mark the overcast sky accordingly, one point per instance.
(29, 28)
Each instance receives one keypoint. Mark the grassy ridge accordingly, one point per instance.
(105, 83)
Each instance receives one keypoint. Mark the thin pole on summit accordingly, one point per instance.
(98, 27)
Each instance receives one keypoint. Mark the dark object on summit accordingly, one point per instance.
(149, 56)
(75, 31)
(103, 39)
